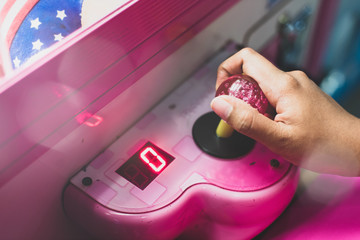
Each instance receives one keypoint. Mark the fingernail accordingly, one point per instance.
(221, 107)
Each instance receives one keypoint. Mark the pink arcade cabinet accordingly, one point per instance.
(99, 122)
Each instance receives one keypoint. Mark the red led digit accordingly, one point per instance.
(154, 156)
(145, 165)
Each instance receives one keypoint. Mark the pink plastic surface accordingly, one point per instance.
(310, 217)
(221, 199)
(228, 214)
(50, 94)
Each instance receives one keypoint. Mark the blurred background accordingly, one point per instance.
(341, 61)
(338, 73)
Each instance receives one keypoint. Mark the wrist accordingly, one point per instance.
(347, 145)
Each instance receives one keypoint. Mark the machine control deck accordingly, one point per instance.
(155, 170)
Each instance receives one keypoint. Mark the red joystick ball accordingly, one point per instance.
(226, 143)
(247, 89)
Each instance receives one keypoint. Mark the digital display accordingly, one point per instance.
(145, 165)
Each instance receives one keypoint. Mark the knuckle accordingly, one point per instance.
(222, 66)
(247, 51)
(289, 83)
(298, 74)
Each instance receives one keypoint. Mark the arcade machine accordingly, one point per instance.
(107, 132)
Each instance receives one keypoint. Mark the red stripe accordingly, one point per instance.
(26, 8)
(5, 9)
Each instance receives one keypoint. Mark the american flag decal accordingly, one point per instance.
(29, 26)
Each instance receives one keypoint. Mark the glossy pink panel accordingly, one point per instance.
(100, 160)
(245, 214)
(143, 123)
(250, 173)
(102, 191)
(187, 149)
(150, 194)
(87, 72)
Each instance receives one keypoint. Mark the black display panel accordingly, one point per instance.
(145, 165)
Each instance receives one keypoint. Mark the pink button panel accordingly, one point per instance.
(150, 194)
(100, 190)
(101, 159)
(143, 123)
(187, 149)
(183, 183)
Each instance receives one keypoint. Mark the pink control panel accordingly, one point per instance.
(156, 173)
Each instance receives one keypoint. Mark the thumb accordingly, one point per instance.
(247, 120)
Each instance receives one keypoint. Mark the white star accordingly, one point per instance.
(61, 14)
(16, 62)
(37, 44)
(35, 23)
(58, 37)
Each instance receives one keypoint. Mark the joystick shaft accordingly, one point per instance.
(224, 130)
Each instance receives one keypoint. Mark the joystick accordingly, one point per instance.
(214, 136)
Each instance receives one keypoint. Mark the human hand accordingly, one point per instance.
(309, 128)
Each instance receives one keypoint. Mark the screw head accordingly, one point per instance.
(274, 163)
(86, 181)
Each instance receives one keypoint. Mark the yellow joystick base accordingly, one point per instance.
(224, 130)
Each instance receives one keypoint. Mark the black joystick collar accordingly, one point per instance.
(204, 134)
